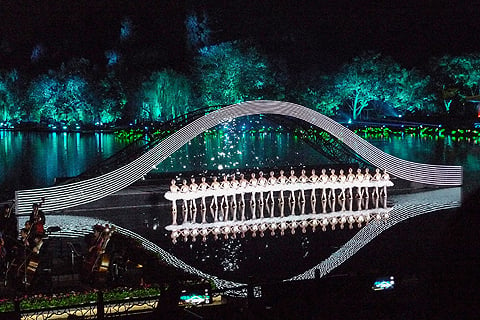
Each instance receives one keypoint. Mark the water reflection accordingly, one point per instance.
(228, 262)
(34, 159)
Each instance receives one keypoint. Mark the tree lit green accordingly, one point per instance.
(232, 72)
(10, 96)
(166, 95)
(371, 78)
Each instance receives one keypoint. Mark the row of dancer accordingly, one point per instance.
(280, 209)
(329, 184)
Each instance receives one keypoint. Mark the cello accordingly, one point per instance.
(97, 260)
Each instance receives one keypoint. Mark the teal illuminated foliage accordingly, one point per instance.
(166, 95)
(372, 78)
(233, 72)
(10, 96)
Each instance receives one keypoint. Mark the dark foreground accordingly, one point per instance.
(436, 277)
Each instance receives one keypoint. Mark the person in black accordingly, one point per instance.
(94, 242)
(37, 219)
(8, 226)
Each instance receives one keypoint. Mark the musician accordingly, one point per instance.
(94, 243)
(95, 240)
(37, 219)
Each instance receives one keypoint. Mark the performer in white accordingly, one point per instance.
(333, 181)
(203, 187)
(377, 179)
(262, 183)
(342, 179)
(292, 181)
(302, 179)
(272, 182)
(324, 180)
(185, 189)
(367, 177)
(235, 185)
(215, 186)
(313, 180)
(174, 189)
(225, 186)
(359, 179)
(193, 204)
(386, 181)
(350, 182)
(282, 180)
(253, 187)
(243, 184)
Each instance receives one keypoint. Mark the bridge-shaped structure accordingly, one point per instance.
(77, 193)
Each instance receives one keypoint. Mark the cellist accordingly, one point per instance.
(95, 247)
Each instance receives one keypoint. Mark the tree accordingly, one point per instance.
(166, 94)
(112, 98)
(233, 72)
(60, 97)
(9, 96)
(316, 92)
(373, 79)
(456, 77)
(408, 91)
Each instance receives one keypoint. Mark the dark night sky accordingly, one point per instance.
(310, 32)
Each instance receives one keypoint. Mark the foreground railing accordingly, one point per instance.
(98, 308)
